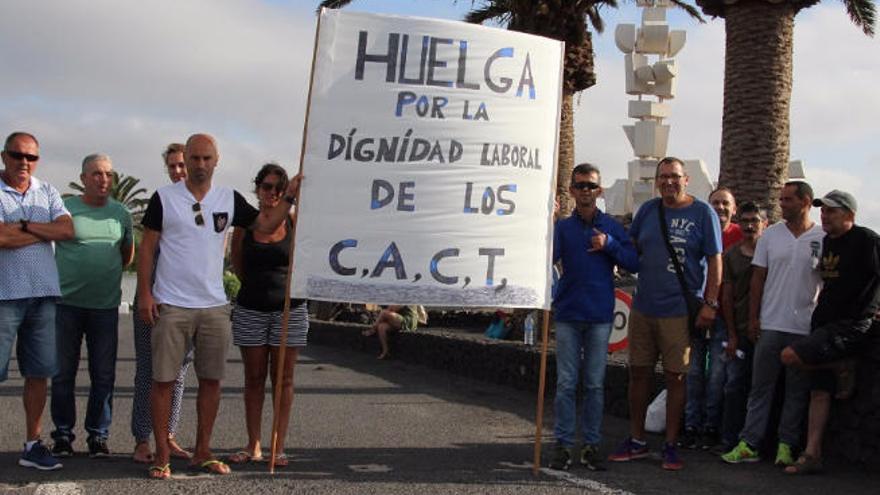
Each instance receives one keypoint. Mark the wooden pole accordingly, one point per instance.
(545, 320)
(542, 380)
(282, 344)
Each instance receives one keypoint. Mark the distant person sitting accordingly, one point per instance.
(394, 319)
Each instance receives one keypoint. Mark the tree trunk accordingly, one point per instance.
(757, 97)
(566, 155)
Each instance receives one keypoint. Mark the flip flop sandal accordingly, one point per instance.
(159, 472)
(211, 466)
(243, 457)
(177, 451)
(806, 464)
(280, 460)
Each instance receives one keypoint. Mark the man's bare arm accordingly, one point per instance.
(60, 229)
(756, 292)
(12, 237)
(713, 283)
(127, 253)
(147, 309)
(235, 254)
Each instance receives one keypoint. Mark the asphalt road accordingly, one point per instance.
(365, 426)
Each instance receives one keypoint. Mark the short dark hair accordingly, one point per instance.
(668, 160)
(584, 169)
(273, 169)
(17, 134)
(801, 189)
(173, 148)
(752, 207)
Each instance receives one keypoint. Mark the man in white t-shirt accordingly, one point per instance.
(784, 288)
(187, 305)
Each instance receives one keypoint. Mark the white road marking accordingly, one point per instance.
(58, 489)
(369, 468)
(596, 487)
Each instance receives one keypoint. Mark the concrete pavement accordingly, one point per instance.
(365, 426)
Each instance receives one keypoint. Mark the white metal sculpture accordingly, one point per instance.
(651, 72)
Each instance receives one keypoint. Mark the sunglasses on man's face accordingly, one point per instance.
(197, 210)
(17, 155)
(580, 186)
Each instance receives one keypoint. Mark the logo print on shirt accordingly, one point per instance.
(220, 221)
(679, 230)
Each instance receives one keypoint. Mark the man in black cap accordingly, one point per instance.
(848, 302)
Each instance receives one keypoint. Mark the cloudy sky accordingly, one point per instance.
(125, 78)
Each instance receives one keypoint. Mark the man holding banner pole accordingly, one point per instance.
(589, 244)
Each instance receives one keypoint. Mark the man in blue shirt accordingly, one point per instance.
(658, 323)
(588, 244)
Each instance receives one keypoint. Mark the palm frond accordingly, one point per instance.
(595, 19)
(690, 9)
(332, 4)
(497, 11)
(76, 186)
(863, 14)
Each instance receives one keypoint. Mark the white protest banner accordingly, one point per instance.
(429, 163)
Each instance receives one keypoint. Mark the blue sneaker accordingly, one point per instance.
(671, 460)
(39, 457)
(629, 450)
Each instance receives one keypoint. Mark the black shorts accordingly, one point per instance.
(828, 343)
(833, 341)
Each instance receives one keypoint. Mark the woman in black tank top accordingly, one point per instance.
(260, 260)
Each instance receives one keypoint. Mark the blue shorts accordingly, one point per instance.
(32, 320)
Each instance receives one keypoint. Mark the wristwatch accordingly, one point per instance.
(712, 303)
(24, 225)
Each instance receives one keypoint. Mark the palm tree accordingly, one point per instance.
(757, 91)
(123, 190)
(564, 20)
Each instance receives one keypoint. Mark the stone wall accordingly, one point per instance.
(854, 431)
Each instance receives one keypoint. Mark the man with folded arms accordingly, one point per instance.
(31, 217)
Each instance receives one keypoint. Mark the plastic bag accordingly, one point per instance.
(655, 419)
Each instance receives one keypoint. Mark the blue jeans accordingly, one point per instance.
(100, 328)
(575, 342)
(737, 383)
(705, 380)
(32, 320)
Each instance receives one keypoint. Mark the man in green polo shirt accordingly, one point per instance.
(90, 271)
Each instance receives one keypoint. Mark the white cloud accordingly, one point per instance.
(127, 77)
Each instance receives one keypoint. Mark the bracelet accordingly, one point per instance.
(712, 304)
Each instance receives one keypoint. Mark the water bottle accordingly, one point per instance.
(529, 329)
(739, 353)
